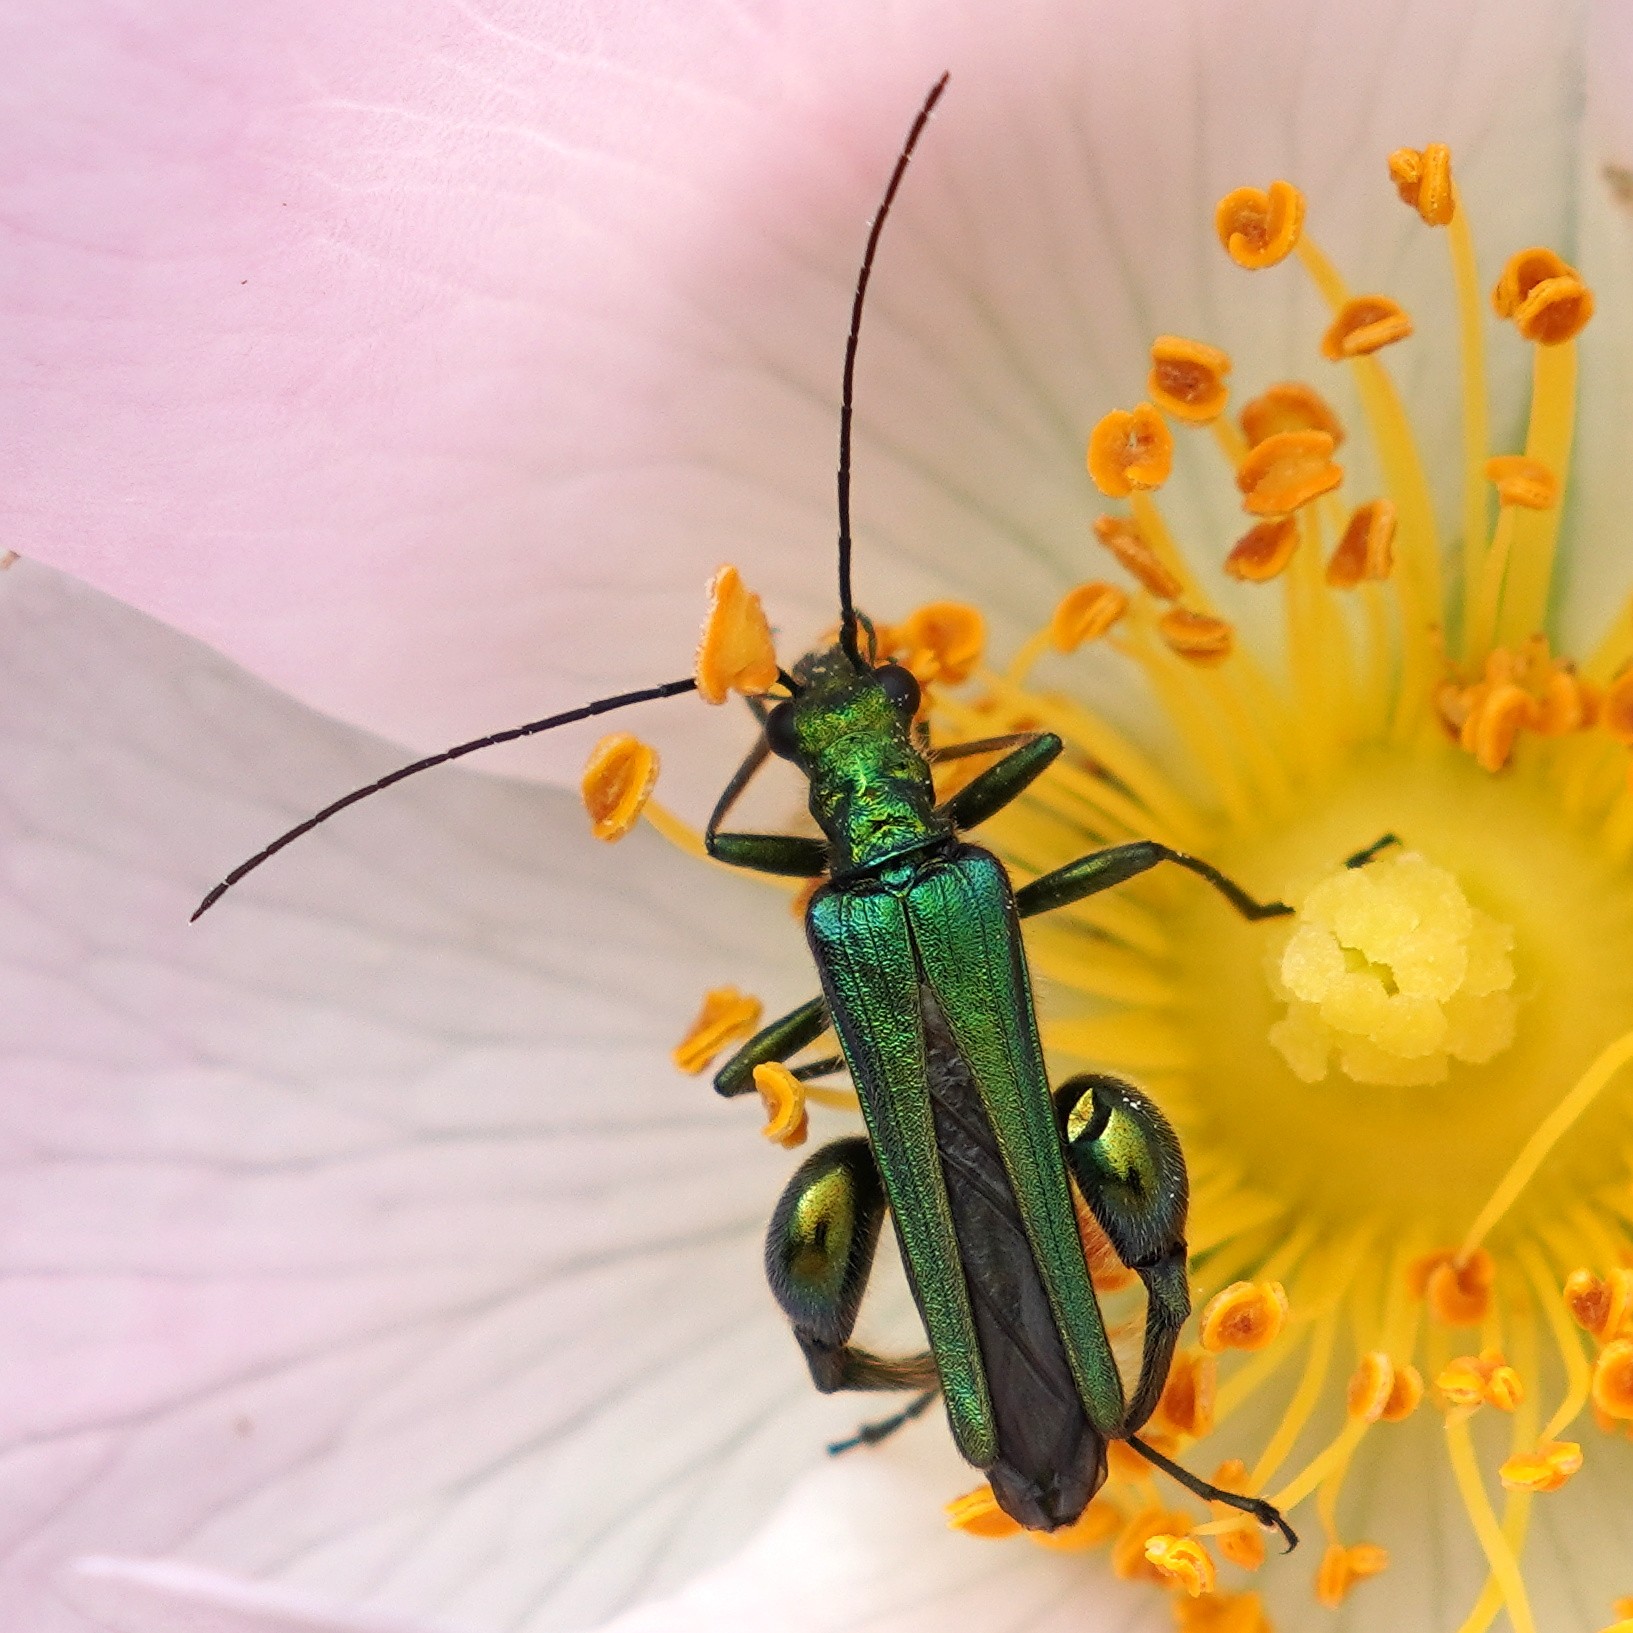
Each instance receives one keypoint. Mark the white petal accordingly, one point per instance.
(360, 1238)
(427, 360)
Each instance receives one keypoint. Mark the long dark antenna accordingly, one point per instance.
(847, 606)
(604, 705)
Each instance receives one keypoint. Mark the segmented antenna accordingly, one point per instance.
(847, 607)
(604, 705)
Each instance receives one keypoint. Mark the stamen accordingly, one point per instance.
(1221, 1613)
(1599, 1307)
(1198, 637)
(1544, 296)
(1130, 449)
(735, 653)
(1130, 546)
(1545, 1469)
(1342, 1569)
(727, 1017)
(1613, 1380)
(1371, 1387)
(1365, 324)
(1128, 1556)
(1187, 379)
(1367, 549)
(1187, 1402)
(1259, 229)
(1085, 614)
(783, 1096)
(1290, 405)
(1287, 470)
(1263, 552)
(1405, 1392)
(1245, 1316)
(1499, 1555)
(952, 632)
(1457, 1287)
(1184, 1562)
(1424, 180)
(618, 780)
(1484, 1379)
(1524, 482)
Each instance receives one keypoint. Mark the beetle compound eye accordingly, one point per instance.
(779, 731)
(900, 687)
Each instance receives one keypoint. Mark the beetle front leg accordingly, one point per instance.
(1100, 870)
(1128, 1164)
(818, 1253)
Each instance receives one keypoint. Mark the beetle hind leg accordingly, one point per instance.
(818, 1253)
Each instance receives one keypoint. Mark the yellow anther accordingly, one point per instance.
(1128, 1558)
(1367, 549)
(1187, 1401)
(1457, 1295)
(1259, 229)
(1491, 728)
(977, 1512)
(1130, 449)
(1085, 614)
(1187, 378)
(1424, 180)
(1544, 295)
(1366, 323)
(1545, 1469)
(1523, 481)
(1247, 1315)
(1616, 708)
(1342, 1568)
(1504, 1388)
(735, 653)
(618, 780)
(727, 1017)
(1287, 470)
(1485, 1379)
(1405, 1393)
(1290, 405)
(1597, 1305)
(1613, 1380)
(1221, 1613)
(1127, 543)
(1097, 1524)
(1264, 551)
(783, 1096)
(1370, 1387)
(1184, 1562)
(953, 632)
(1198, 637)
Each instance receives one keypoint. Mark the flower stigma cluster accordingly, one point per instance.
(1406, 1111)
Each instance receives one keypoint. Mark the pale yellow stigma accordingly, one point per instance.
(1391, 968)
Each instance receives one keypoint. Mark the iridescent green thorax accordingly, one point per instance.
(871, 790)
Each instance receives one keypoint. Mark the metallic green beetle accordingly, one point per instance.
(916, 938)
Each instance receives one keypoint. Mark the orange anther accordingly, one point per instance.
(952, 631)
(1504, 1389)
(977, 1512)
(783, 1096)
(1367, 549)
(1085, 614)
(1221, 1613)
(1544, 295)
(1186, 1406)
(1370, 1387)
(1198, 637)
(1247, 1315)
(1126, 1464)
(1342, 1568)
(1187, 378)
(1492, 726)
(1485, 1379)
(726, 1017)
(1098, 1523)
(1567, 703)
(1545, 1469)
(1130, 449)
(1424, 180)
(1243, 1545)
(1287, 470)
(1263, 551)
(1259, 229)
(1184, 1562)
(618, 780)
(1521, 480)
(1128, 1553)
(1613, 1380)
(1128, 544)
(735, 653)
(1365, 323)
(1289, 406)
(1458, 1295)
(1404, 1395)
(1616, 708)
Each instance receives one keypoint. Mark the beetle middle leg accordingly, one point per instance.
(818, 1254)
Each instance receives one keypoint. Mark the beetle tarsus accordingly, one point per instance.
(870, 1434)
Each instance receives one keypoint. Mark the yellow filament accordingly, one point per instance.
(836, 1099)
(1485, 593)
(1552, 1128)
(1305, 1400)
(1536, 532)
(681, 834)
(1232, 444)
(1499, 1556)
(1476, 422)
(1578, 1374)
(1020, 666)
